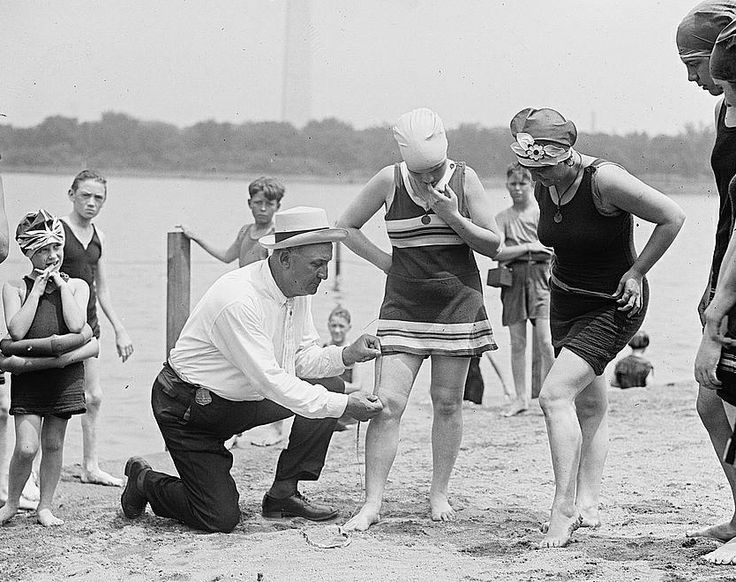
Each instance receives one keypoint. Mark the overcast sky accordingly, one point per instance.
(612, 63)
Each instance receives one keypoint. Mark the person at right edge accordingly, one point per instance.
(715, 365)
(599, 296)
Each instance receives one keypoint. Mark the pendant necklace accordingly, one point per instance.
(558, 215)
(426, 219)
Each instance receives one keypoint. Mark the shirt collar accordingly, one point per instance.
(270, 287)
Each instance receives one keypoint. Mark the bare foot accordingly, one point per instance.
(723, 532)
(724, 555)
(232, 442)
(589, 519)
(515, 408)
(47, 519)
(560, 530)
(365, 518)
(7, 512)
(441, 508)
(100, 477)
(265, 436)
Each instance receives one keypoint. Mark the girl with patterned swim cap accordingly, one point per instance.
(44, 303)
(598, 297)
(437, 214)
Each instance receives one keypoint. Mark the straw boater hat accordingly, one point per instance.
(299, 226)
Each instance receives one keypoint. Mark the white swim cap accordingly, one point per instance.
(421, 138)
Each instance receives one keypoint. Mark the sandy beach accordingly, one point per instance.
(661, 479)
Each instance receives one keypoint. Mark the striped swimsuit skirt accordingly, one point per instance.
(433, 303)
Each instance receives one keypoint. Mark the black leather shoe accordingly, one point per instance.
(295, 505)
(132, 500)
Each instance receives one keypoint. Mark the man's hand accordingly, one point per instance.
(363, 405)
(366, 347)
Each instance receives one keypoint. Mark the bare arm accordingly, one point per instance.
(20, 365)
(628, 193)
(480, 231)
(361, 209)
(227, 255)
(122, 340)
(19, 309)
(511, 252)
(4, 233)
(74, 298)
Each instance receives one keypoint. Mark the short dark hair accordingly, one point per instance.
(85, 175)
(341, 312)
(271, 188)
(517, 168)
(639, 341)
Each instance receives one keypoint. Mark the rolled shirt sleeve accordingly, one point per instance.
(238, 333)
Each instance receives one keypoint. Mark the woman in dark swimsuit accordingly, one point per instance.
(598, 297)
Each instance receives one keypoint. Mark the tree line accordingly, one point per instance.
(329, 148)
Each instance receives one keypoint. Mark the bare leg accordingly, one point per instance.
(517, 331)
(27, 436)
(711, 410)
(447, 429)
(4, 442)
(52, 457)
(542, 338)
(382, 437)
(567, 378)
(91, 472)
(592, 411)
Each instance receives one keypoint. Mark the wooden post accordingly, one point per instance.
(338, 260)
(178, 291)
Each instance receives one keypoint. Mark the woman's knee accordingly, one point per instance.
(591, 408)
(447, 402)
(553, 397)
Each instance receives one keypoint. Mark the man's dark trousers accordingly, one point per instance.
(195, 424)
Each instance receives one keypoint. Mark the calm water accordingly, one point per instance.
(140, 211)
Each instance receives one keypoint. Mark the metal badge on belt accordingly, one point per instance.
(202, 396)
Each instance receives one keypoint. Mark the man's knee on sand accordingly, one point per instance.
(224, 521)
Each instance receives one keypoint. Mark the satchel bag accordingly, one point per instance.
(500, 277)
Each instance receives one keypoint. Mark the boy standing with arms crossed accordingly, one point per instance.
(84, 259)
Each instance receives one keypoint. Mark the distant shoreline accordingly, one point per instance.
(668, 182)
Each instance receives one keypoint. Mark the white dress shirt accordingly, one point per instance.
(245, 340)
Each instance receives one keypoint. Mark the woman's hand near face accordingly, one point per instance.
(445, 203)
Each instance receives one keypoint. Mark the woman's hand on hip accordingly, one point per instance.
(628, 293)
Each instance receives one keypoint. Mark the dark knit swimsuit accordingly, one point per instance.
(56, 392)
(592, 252)
(81, 263)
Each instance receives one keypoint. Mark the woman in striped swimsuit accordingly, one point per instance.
(437, 214)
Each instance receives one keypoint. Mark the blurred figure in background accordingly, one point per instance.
(632, 371)
(527, 299)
